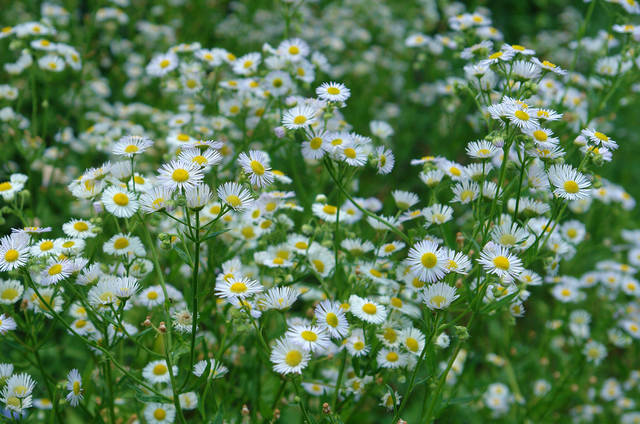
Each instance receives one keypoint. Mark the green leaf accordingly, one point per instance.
(214, 234)
(183, 255)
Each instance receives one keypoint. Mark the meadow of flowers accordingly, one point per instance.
(319, 211)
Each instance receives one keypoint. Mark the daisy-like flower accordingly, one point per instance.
(216, 369)
(158, 372)
(294, 49)
(427, 261)
(497, 260)
(438, 214)
(594, 351)
(465, 192)
(9, 188)
(124, 244)
(160, 413)
(367, 310)
(79, 228)
(310, 338)
(177, 175)
(481, 149)
(151, 297)
(326, 212)
(10, 291)
(299, 117)
(384, 160)
(499, 56)
(457, 262)
(287, 357)
(599, 138)
(156, 199)
(316, 145)
(7, 324)
(20, 385)
(56, 271)
(162, 64)
(247, 64)
(256, 166)
(333, 92)
(51, 63)
(14, 251)
(131, 145)
(356, 344)
(240, 288)
(548, 66)
(388, 249)
(234, 195)
(391, 358)
(438, 296)
(279, 298)
(412, 340)
(119, 202)
(568, 182)
(74, 385)
(565, 293)
(203, 159)
(404, 199)
(331, 317)
(522, 116)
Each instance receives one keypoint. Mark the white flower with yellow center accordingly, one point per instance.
(56, 271)
(235, 196)
(299, 117)
(74, 385)
(131, 145)
(332, 318)
(120, 202)
(240, 288)
(333, 92)
(367, 310)
(497, 260)
(310, 338)
(10, 291)
(158, 372)
(160, 413)
(287, 357)
(391, 358)
(568, 182)
(257, 166)
(177, 175)
(162, 64)
(14, 251)
(438, 296)
(427, 261)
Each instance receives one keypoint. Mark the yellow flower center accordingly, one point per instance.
(164, 63)
(293, 358)
(358, 345)
(121, 243)
(369, 308)
(159, 414)
(300, 120)
(301, 245)
(429, 260)
(315, 143)
(412, 344)
(392, 357)
(11, 255)
(180, 175)
(9, 293)
(160, 369)
(455, 171)
(396, 302)
(571, 187)
(548, 64)
(257, 167)
(350, 153)
(294, 50)
(600, 136)
(46, 245)
(501, 262)
(238, 287)
(521, 115)
(318, 264)
(80, 226)
(121, 199)
(55, 269)
(375, 272)
(5, 186)
(507, 239)
(152, 295)
(496, 55)
(329, 209)
(76, 388)
(540, 135)
(309, 336)
(332, 319)
(182, 137)
(438, 300)
(131, 148)
(234, 200)
(333, 90)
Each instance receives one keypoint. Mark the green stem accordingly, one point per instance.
(194, 287)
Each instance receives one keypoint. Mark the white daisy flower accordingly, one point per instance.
(234, 195)
(160, 413)
(333, 92)
(288, 358)
(14, 251)
(10, 291)
(256, 165)
(131, 145)
(177, 175)
(438, 296)
(427, 261)
(299, 117)
(119, 202)
(309, 337)
(158, 372)
(568, 182)
(367, 310)
(79, 228)
(498, 260)
(331, 317)
(74, 385)
(237, 288)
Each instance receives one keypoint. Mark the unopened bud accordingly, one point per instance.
(162, 327)
(276, 414)
(147, 322)
(245, 410)
(326, 409)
